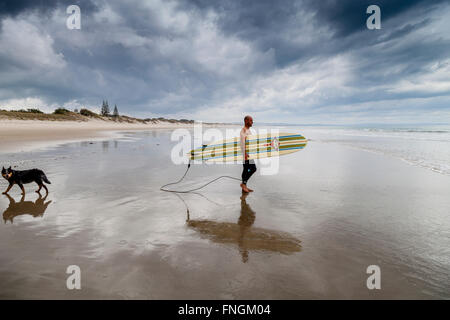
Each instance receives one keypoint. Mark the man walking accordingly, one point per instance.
(249, 165)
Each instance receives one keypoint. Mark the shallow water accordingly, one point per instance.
(309, 231)
(427, 147)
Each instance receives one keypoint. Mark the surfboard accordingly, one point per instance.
(257, 146)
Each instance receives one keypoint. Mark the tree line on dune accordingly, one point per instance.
(105, 111)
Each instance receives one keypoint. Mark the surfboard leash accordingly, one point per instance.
(163, 188)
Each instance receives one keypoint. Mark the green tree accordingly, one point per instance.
(116, 111)
(105, 108)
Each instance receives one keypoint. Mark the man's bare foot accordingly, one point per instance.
(249, 190)
(4, 192)
(244, 188)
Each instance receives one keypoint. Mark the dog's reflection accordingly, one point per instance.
(244, 235)
(35, 209)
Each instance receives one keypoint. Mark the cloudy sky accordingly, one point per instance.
(303, 61)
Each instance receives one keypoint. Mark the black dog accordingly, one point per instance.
(25, 176)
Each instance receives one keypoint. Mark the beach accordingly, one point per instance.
(22, 135)
(309, 231)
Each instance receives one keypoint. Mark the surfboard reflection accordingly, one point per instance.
(246, 237)
(35, 209)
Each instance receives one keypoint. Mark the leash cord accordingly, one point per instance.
(163, 188)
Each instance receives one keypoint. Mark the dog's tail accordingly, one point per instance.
(44, 178)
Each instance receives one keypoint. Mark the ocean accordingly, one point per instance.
(424, 146)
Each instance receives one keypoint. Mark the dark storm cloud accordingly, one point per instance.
(252, 18)
(15, 7)
(264, 21)
(345, 16)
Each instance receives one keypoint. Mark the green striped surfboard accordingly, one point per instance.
(258, 146)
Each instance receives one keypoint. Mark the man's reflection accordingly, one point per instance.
(245, 236)
(246, 220)
(35, 209)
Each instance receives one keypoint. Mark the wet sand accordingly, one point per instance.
(308, 232)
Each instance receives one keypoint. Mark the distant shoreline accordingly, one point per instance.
(19, 134)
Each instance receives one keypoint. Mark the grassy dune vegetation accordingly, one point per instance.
(84, 115)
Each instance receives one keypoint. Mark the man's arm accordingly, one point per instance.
(244, 153)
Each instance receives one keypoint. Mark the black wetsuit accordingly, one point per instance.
(249, 170)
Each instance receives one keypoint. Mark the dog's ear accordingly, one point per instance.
(9, 168)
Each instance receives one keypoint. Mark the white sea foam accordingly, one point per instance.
(427, 147)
